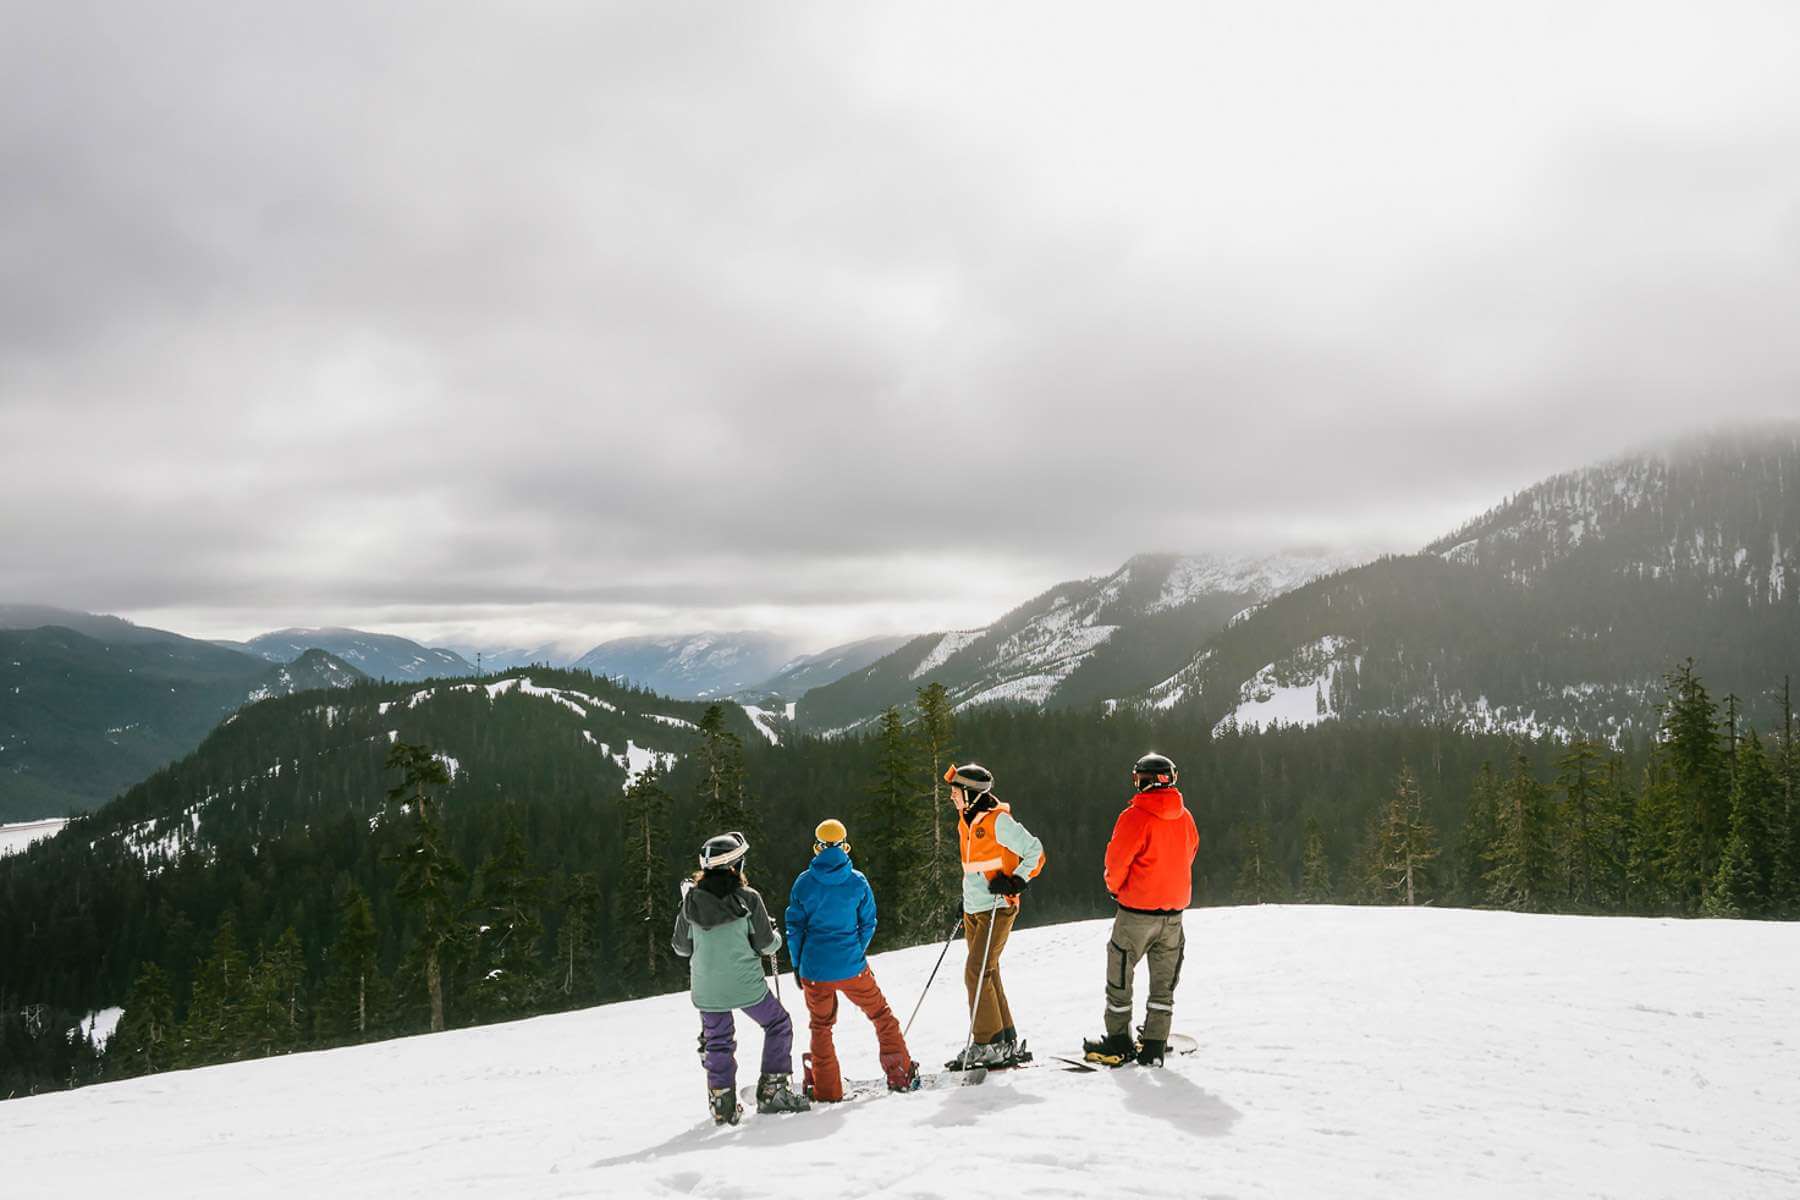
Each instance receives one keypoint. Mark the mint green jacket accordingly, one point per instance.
(724, 930)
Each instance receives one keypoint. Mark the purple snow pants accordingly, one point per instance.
(718, 1041)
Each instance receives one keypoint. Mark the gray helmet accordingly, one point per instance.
(726, 850)
(971, 777)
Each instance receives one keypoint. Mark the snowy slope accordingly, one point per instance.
(1079, 643)
(1344, 1053)
(21, 834)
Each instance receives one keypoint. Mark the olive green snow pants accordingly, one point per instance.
(1162, 941)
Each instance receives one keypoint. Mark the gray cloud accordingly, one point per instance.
(844, 318)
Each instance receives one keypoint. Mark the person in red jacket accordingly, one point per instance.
(1150, 872)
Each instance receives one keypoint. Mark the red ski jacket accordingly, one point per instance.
(1150, 860)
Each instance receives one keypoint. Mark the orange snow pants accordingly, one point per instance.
(822, 1010)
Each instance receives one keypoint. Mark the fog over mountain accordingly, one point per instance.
(846, 320)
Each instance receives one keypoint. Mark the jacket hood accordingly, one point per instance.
(1162, 803)
(831, 866)
(707, 909)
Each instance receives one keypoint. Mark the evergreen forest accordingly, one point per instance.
(338, 867)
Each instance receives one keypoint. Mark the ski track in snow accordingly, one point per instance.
(1344, 1052)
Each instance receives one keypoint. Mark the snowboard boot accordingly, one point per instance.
(773, 1095)
(981, 1054)
(1113, 1050)
(724, 1103)
(1150, 1052)
(902, 1076)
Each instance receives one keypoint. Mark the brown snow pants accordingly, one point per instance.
(992, 1013)
(822, 1010)
(1162, 940)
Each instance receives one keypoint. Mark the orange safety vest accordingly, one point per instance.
(982, 851)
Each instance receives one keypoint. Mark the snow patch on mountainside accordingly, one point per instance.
(1295, 689)
(949, 644)
(638, 759)
(1264, 577)
(676, 722)
(1354, 1053)
(764, 720)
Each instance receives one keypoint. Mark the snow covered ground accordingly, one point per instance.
(1343, 1052)
(22, 834)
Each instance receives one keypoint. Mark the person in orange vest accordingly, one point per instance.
(1000, 857)
(1150, 872)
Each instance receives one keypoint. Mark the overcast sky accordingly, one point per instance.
(502, 323)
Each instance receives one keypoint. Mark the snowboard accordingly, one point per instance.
(856, 1090)
(1177, 1043)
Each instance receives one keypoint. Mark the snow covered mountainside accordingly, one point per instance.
(312, 670)
(697, 666)
(1722, 514)
(1557, 612)
(1344, 1052)
(377, 655)
(1078, 643)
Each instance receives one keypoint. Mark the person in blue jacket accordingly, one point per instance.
(830, 922)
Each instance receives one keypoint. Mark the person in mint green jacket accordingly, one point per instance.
(723, 929)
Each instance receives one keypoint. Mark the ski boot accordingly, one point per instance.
(1150, 1052)
(724, 1104)
(773, 1095)
(1113, 1050)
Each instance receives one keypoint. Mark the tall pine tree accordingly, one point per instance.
(578, 941)
(724, 800)
(274, 1011)
(509, 967)
(214, 1030)
(895, 843)
(354, 1001)
(144, 1040)
(1406, 844)
(647, 891)
(1587, 843)
(431, 878)
(1259, 880)
(937, 741)
(1315, 869)
(1698, 766)
(1480, 829)
(1743, 885)
(1522, 867)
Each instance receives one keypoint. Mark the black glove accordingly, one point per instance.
(1007, 885)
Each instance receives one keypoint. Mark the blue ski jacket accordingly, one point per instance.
(830, 919)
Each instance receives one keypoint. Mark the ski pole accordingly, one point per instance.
(933, 976)
(980, 980)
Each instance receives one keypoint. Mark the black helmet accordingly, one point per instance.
(726, 850)
(971, 777)
(1153, 771)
